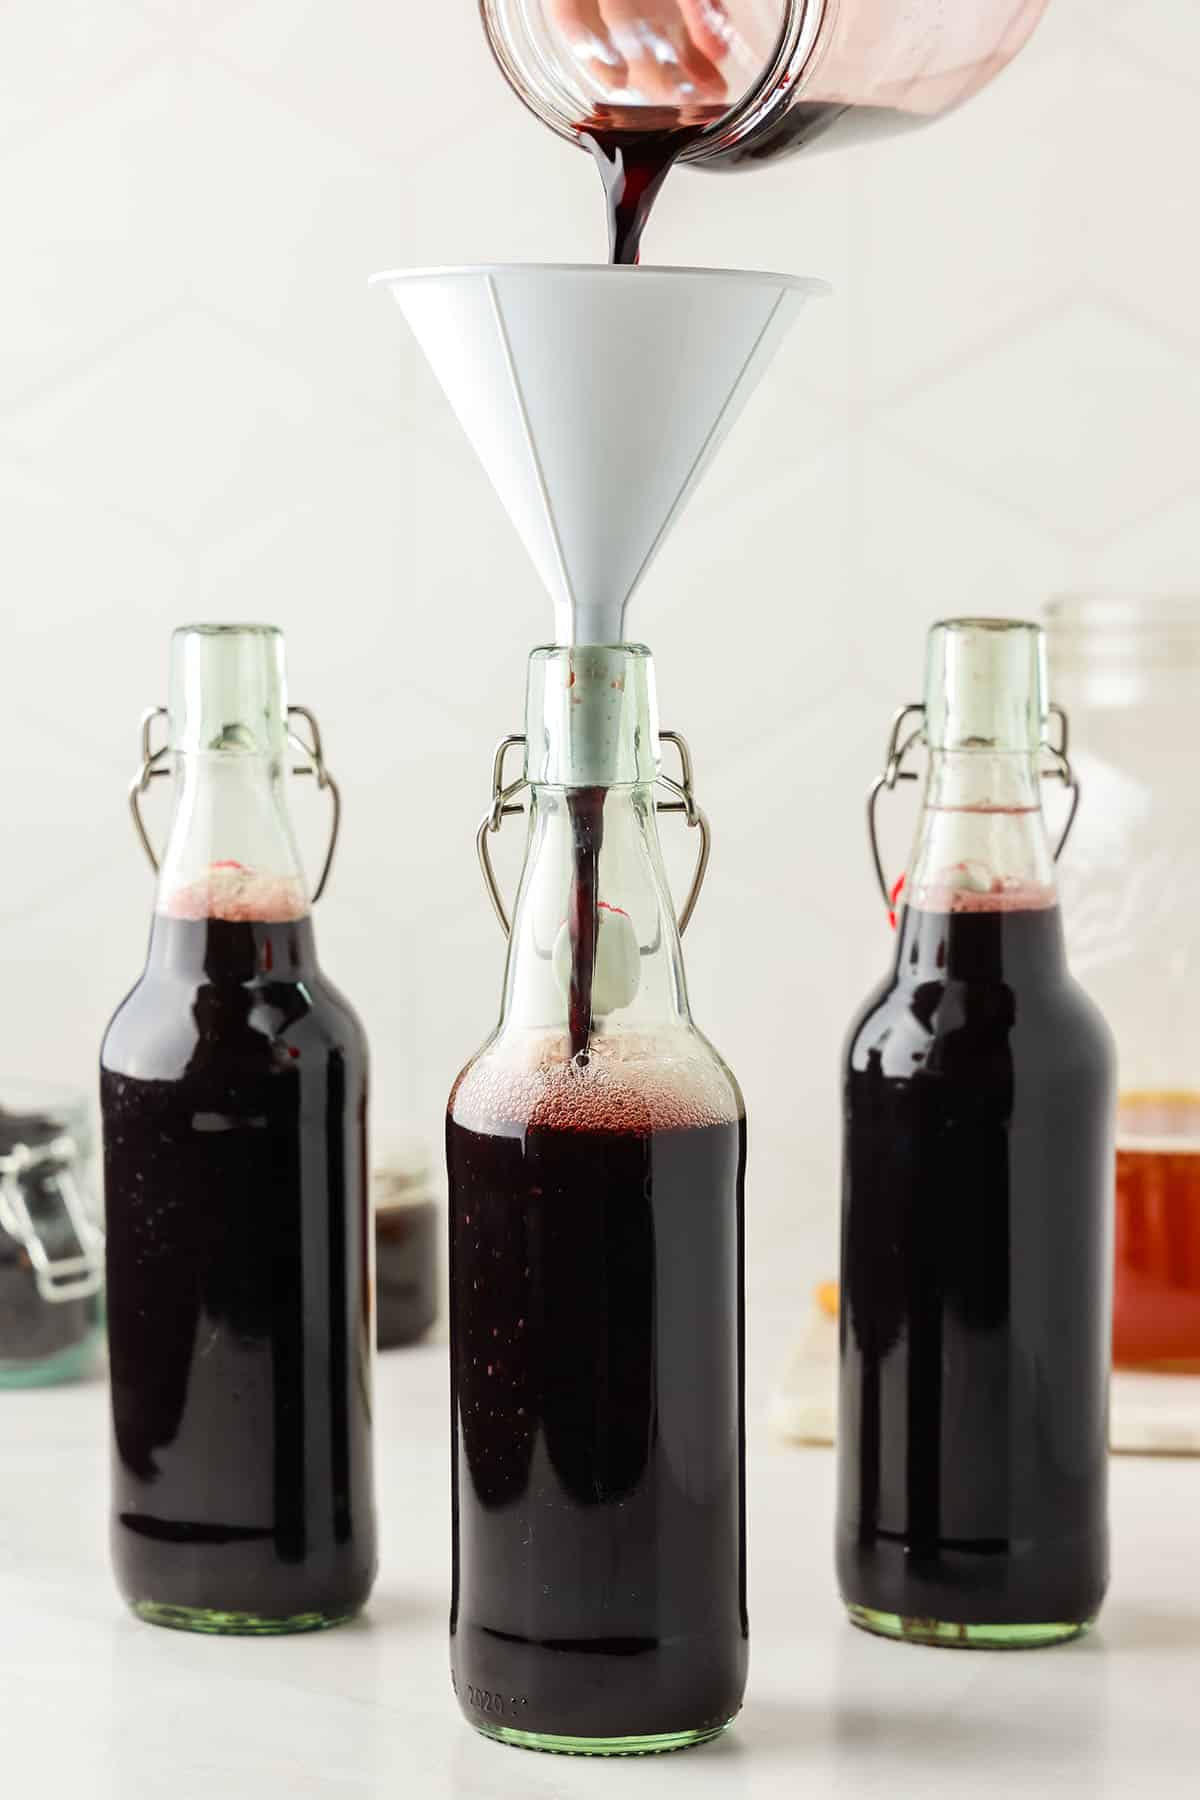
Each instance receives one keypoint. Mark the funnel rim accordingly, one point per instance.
(813, 286)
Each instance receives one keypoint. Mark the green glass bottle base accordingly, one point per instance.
(233, 1624)
(606, 1746)
(66, 1365)
(963, 1637)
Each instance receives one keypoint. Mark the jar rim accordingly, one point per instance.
(800, 29)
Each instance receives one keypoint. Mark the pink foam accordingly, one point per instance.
(631, 1086)
(238, 895)
(1004, 896)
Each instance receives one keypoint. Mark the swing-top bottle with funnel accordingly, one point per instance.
(596, 1143)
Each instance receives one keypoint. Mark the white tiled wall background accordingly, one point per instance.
(205, 414)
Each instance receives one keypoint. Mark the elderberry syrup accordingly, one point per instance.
(233, 1096)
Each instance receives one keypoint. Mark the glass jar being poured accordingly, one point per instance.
(233, 1097)
(726, 84)
(595, 1145)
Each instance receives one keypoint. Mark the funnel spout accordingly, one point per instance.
(595, 399)
(588, 622)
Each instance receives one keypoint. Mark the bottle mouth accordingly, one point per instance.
(987, 623)
(232, 630)
(985, 686)
(228, 691)
(591, 717)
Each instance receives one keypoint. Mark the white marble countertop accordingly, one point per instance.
(94, 1704)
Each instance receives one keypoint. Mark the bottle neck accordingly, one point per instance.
(231, 855)
(981, 896)
(638, 980)
(982, 835)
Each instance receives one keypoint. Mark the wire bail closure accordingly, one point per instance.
(153, 766)
(503, 807)
(901, 742)
(61, 1278)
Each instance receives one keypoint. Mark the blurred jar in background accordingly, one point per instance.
(407, 1235)
(1128, 672)
(51, 1245)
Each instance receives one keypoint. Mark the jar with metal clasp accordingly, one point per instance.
(51, 1240)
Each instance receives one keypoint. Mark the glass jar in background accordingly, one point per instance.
(407, 1235)
(751, 80)
(51, 1244)
(1128, 672)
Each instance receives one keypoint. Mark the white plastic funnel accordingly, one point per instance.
(595, 398)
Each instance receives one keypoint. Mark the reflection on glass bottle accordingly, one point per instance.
(233, 1094)
(978, 1098)
(596, 1279)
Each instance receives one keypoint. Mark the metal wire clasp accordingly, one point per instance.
(504, 795)
(899, 746)
(893, 771)
(1062, 770)
(153, 761)
(61, 1278)
(500, 809)
(685, 803)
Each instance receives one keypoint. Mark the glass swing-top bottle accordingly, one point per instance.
(233, 1097)
(979, 1094)
(596, 1149)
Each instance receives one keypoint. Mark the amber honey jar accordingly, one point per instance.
(1156, 1319)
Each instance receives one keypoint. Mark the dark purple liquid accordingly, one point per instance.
(976, 1258)
(633, 166)
(233, 1090)
(597, 1388)
(585, 807)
